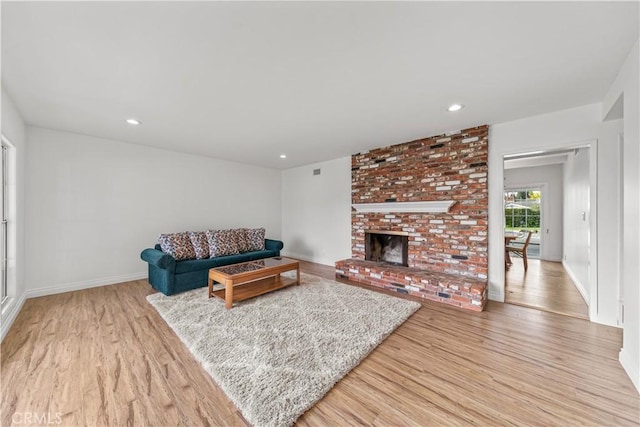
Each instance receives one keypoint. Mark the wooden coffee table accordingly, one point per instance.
(250, 279)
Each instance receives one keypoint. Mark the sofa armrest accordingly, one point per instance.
(157, 258)
(273, 245)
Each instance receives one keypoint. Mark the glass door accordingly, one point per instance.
(522, 213)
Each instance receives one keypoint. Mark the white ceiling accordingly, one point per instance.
(247, 81)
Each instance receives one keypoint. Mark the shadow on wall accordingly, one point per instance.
(298, 248)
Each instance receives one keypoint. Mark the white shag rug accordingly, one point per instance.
(276, 355)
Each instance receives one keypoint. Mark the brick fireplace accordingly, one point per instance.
(432, 193)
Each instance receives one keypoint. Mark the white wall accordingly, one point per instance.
(13, 129)
(552, 202)
(609, 206)
(561, 129)
(626, 86)
(316, 211)
(94, 204)
(576, 220)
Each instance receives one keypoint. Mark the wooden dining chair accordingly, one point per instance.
(521, 251)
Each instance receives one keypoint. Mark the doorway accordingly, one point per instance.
(543, 194)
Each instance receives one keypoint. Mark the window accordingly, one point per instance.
(4, 239)
(8, 231)
(522, 214)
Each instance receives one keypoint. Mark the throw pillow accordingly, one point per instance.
(242, 239)
(200, 244)
(256, 238)
(221, 242)
(178, 245)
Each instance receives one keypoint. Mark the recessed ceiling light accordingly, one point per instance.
(133, 121)
(283, 156)
(455, 107)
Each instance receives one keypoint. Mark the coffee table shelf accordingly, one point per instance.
(250, 279)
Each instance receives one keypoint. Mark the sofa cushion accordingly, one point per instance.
(221, 243)
(200, 244)
(256, 255)
(178, 245)
(256, 239)
(197, 265)
(205, 264)
(242, 239)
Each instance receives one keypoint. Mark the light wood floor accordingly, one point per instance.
(545, 286)
(103, 356)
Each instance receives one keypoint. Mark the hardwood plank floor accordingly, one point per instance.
(103, 356)
(545, 286)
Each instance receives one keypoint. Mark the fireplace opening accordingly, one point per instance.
(392, 248)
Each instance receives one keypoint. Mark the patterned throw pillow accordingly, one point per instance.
(242, 239)
(256, 238)
(178, 245)
(200, 244)
(221, 242)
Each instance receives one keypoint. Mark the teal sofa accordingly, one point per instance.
(171, 277)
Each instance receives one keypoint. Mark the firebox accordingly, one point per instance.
(387, 246)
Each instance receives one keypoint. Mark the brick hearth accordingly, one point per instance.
(446, 288)
(447, 258)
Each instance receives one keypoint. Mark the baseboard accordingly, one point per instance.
(579, 286)
(631, 368)
(10, 313)
(85, 284)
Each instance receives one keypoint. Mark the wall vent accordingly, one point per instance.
(316, 171)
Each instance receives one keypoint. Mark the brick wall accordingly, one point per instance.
(445, 167)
